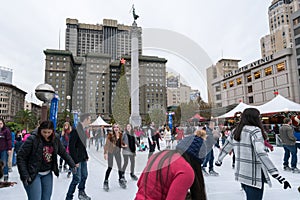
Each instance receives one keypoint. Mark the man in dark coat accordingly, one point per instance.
(77, 149)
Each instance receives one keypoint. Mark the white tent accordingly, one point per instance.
(99, 122)
(279, 104)
(239, 108)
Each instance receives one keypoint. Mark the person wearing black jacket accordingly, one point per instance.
(36, 160)
(77, 149)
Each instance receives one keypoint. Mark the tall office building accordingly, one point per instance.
(108, 38)
(152, 77)
(97, 45)
(280, 36)
(60, 72)
(218, 70)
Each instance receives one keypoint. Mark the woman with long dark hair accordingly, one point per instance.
(169, 174)
(36, 160)
(252, 164)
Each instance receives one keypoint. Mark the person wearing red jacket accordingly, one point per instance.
(169, 174)
(5, 146)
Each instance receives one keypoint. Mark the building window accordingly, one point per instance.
(249, 78)
(250, 99)
(218, 88)
(268, 71)
(280, 67)
(218, 97)
(239, 81)
(231, 83)
(224, 86)
(257, 75)
(250, 89)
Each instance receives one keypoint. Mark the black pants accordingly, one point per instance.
(132, 163)
(151, 148)
(110, 157)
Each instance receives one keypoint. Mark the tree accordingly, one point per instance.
(63, 117)
(27, 119)
(121, 103)
(13, 126)
(157, 115)
(188, 110)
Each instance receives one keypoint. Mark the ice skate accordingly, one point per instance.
(122, 183)
(134, 177)
(105, 186)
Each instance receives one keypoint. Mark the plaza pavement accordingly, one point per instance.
(222, 187)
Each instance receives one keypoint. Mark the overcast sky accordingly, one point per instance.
(222, 28)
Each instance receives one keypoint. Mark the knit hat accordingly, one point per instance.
(192, 146)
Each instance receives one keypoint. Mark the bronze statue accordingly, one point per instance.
(135, 16)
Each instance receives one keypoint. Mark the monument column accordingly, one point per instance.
(135, 118)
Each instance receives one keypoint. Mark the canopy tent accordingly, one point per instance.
(279, 104)
(99, 122)
(239, 108)
(197, 117)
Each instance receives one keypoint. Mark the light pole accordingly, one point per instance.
(68, 103)
(44, 92)
(68, 97)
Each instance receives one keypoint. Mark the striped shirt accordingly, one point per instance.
(251, 158)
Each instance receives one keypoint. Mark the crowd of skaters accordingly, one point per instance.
(121, 145)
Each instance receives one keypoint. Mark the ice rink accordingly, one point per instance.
(222, 187)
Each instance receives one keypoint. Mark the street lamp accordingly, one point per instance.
(44, 92)
(68, 103)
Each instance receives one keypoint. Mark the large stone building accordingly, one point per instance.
(11, 101)
(221, 68)
(108, 38)
(280, 36)
(152, 82)
(60, 72)
(258, 82)
(177, 92)
(97, 45)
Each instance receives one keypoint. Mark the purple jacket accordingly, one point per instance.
(5, 139)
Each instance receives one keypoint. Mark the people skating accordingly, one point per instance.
(100, 137)
(5, 146)
(112, 149)
(4, 183)
(151, 139)
(77, 149)
(11, 154)
(209, 159)
(289, 145)
(167, 137)
(37, 159)
(169, 174)
(129, 152)
(157, 138)
(64, 138)
(253, 165)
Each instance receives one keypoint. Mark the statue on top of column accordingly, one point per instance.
(135, 16)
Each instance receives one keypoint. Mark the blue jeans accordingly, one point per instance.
(4, 158)
(290, 149)
(40, 188)
(253, 193)
(78, 179)
(209, 158)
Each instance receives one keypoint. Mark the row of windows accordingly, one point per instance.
(57, 74)
(268, 71)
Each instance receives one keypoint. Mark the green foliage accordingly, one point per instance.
(157, 115)
(13, 126)
(63, 117)
(188, 110)
(26, 119)
(121, 107)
